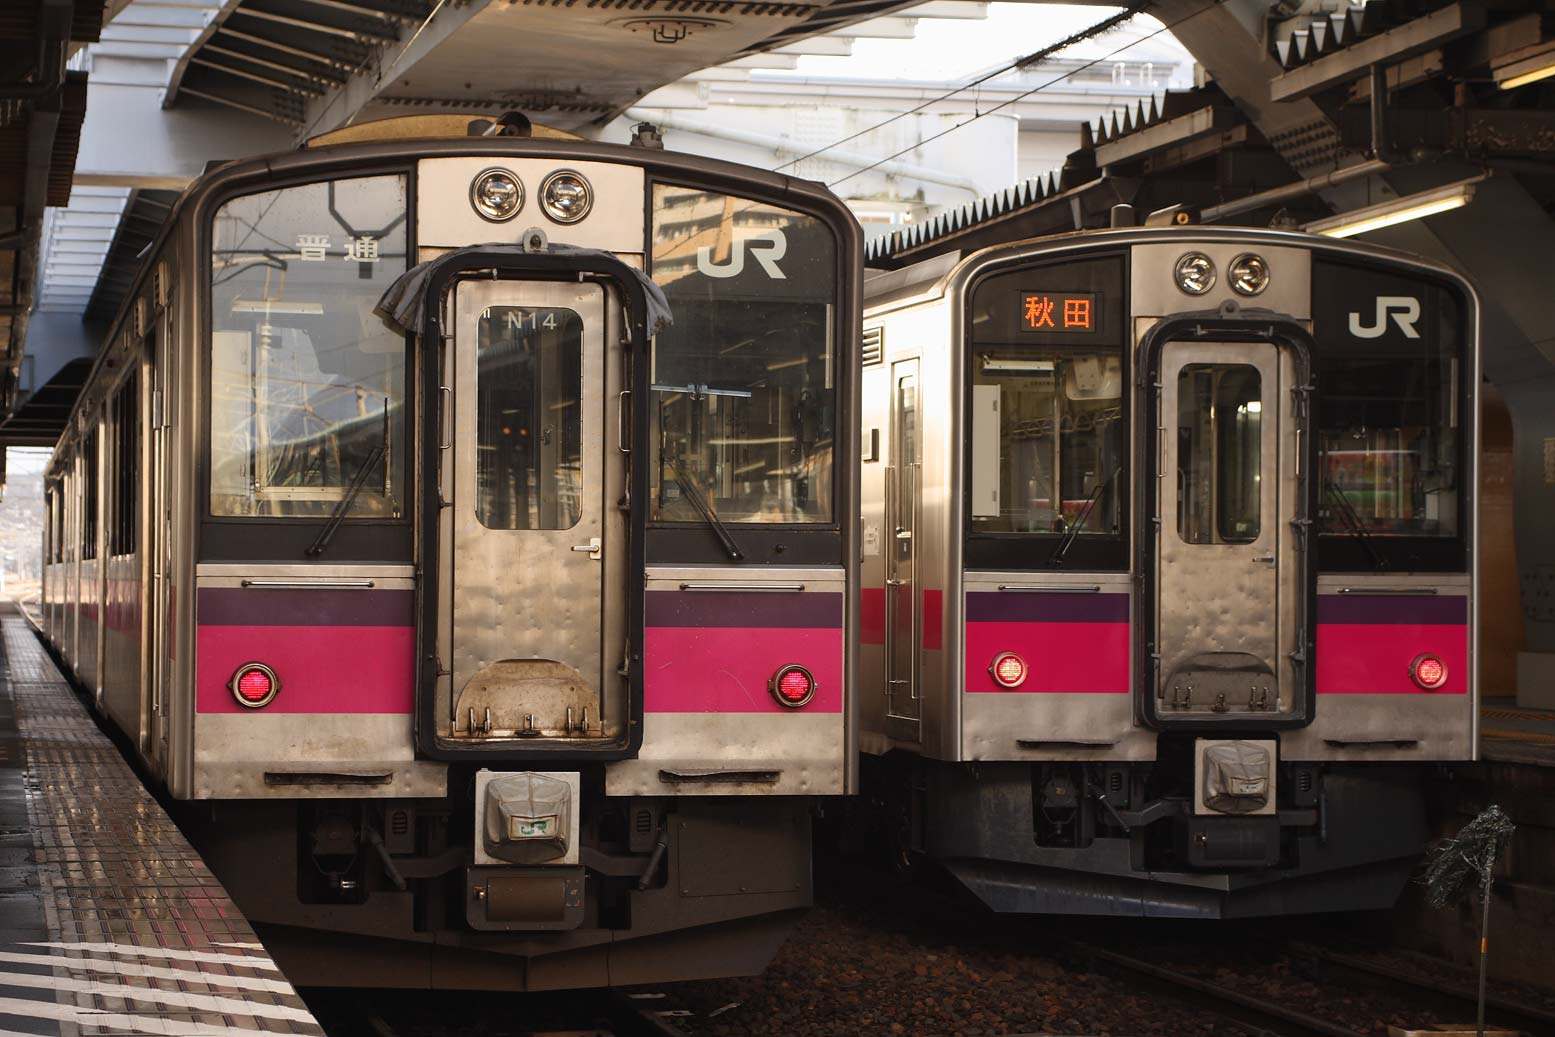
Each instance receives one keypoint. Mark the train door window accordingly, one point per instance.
(89, 496)
(745, 380)
(529, 435)
(307, 384)
(1219, 451)
(126, 468)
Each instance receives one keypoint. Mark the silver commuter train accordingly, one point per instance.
(1170, 567)
(507, 645)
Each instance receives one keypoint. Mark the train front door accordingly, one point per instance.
(531, 470)
(1228, 581)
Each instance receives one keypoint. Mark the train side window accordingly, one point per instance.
(529, 431)
(126, 469)
(1219, 444)
(307, 384)
(89, 496)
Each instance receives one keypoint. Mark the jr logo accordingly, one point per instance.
(766, 249)
(1403, 309)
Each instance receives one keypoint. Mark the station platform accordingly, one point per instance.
(110, 923)
(1509, 733)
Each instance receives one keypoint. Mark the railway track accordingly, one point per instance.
(1266, 1017)
(410, 1013)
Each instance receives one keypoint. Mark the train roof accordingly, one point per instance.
(933, 278)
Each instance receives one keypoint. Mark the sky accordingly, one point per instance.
(951, 49)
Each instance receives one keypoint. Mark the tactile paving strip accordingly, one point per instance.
(110, 923)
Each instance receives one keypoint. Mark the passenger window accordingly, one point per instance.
(1219, 451)
(528, 437)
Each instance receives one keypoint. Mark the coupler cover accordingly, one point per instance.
(528, 817)
(1235, 776)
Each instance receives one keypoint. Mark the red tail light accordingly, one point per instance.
(254, 685)
(1428, 671)
(1008, 669)
(792, 686)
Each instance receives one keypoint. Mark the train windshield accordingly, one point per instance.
(1046, 403)
(307, 384)
(1389, 385)
(744, 383)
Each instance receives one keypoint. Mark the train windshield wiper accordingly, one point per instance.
(1353, 525)
(353, 490)
(1073, 532)
(699, 502)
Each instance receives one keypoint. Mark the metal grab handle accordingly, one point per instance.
(1372, 743)
(1387, 590)
(325, 583)
(1091, 588)
(443, 418)
(742, 586)
(1064, 743)
(623, 439)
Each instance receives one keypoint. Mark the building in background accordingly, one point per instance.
(955, 145)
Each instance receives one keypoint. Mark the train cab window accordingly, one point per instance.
(1389, 407)
(745, 381)
(1219, 444)
(308, 390)
(529, 435)
(1047, 450)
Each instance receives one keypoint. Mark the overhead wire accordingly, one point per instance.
(1166, 27)
(1024, 61)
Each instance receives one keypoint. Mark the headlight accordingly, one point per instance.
(566, 197)
(1248, 274)
(1195, 273)
(497, 195)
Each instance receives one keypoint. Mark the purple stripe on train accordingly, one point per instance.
(1046, 606)
(263, 606)
(743, 609)
(1421, 608)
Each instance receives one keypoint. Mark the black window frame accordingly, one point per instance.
(1034, 551)
(772, 543)
(1341, 552)
(123, 528)
(253, 538)
(91, 496)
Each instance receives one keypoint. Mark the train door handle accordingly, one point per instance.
(592, 547)
(623, 435)
(1268, 558)
(444, 417)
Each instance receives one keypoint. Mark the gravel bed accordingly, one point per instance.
(847, 971)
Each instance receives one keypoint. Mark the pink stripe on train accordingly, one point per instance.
(727, 669)
(1064, 658)
(1374, 658)
(353, 669)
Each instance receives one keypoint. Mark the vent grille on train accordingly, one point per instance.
(874, 345)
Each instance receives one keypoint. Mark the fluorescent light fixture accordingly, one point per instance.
(1399, 210)
(1529, 70)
